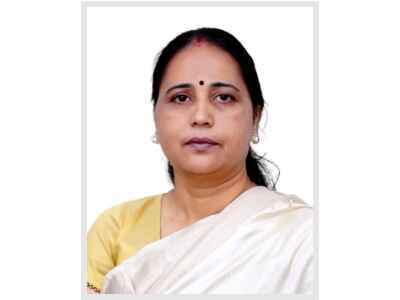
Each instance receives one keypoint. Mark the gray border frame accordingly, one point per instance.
(84, 7)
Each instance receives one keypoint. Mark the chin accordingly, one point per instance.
(198, 168)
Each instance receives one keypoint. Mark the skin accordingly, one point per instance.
(91, 291)
(207, 181)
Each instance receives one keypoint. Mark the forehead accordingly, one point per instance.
(202, 62)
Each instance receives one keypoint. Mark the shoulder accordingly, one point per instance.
(113, 221)
(291, 216)
(296, 224)
(283, 204)
(286, 200)
(298, 213)
(124, 212)
(104, 251)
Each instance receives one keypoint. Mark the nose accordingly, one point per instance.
(202, 115)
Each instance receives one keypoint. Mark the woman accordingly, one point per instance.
(222, 228)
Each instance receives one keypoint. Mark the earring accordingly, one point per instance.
(255, 139)
(154, 139)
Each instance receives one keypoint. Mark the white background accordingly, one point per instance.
(123, 163)
(40, 149)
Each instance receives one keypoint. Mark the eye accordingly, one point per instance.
(226, 98)
(180, 98)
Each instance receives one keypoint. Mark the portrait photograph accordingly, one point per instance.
(199, 156)
(199, 149)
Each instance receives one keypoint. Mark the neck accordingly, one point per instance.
(194, 198)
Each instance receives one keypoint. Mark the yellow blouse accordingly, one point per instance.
(120, 232)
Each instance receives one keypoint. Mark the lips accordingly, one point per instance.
(201, 140)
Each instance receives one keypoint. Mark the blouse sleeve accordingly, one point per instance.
(101, 249)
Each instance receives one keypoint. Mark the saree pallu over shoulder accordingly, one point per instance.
(261, 243)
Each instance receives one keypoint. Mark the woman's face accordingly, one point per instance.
(202, 94)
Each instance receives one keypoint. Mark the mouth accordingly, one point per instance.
(201, 140)
(201, 144)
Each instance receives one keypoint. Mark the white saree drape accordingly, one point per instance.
(261, 243)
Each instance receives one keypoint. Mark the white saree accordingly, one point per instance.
(261, 243)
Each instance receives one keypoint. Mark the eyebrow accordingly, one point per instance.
(223, 84)
(214, 84)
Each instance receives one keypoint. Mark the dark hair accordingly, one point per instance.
(255, 167)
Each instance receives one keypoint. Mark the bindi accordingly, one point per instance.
(198, 41)
(201, 82)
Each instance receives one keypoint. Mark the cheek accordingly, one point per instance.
(238, 129)
(166, 120)
(169, 128)
(240, 121)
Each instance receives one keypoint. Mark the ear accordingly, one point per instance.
(257, 119)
